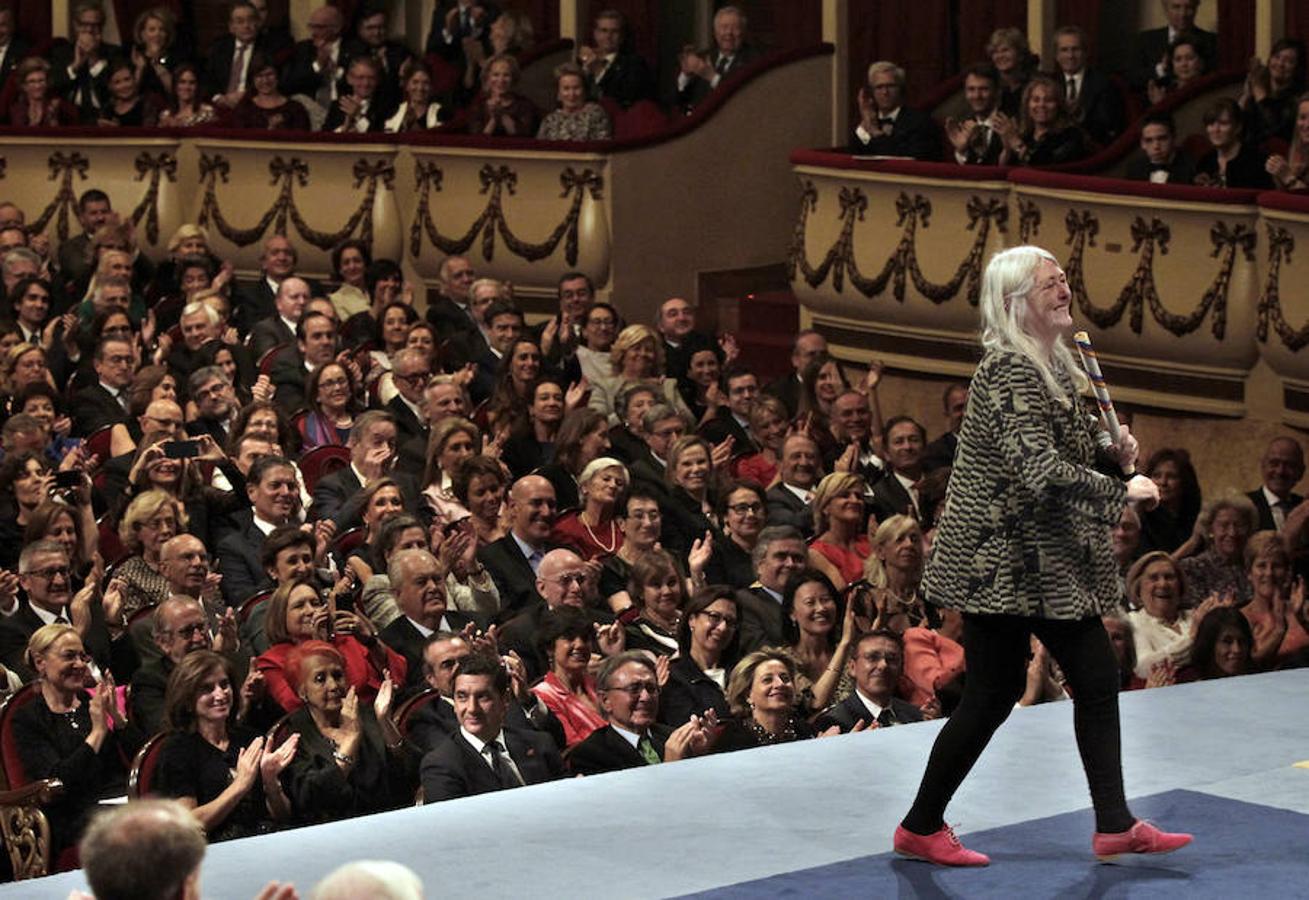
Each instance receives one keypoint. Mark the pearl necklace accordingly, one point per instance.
(613, 534)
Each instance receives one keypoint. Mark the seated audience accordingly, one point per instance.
(742, 512)
(582, 438)
(499, 110)
(636, 357)
(178, 626)
(186, 107)
(1125, 539)
(1291, 172)
(1044, 134)
(819, 632)
(876, 664)
(612, 68)
(150, 848)
(1092, 99)
(1014, 62)
(576, 119)
(1161, 628)
(210, 762)
(35, 105)
(769, 423)
(480, 486)
(1151, 51)
(1172, 521)
(701, 71)
(641, 522)
(1185, 66)
(1119, 630)
(708, 641)
(419, 582)
(840, 547)
(790, 498)
(1234, 161)
(418, 111)
(761, 695)
(1271, 96)
(1276, 611)
(657, 591)
(361, 110)
(593, 529)
(264, 107)
(1223, 646)
(975, 138)
(1281, 468)
(151, 520)
(126, 105)
(1213, 559)
(1159, 159)
(565, 639)
(886, 126)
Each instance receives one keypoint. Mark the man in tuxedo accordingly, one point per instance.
(612, 71)
(227, 65)
(808, 344)
(788, 502)
(628, 688)
(733, 420)
(105, 402)
(903, 441)
(80, 69)
(1281, 468)
(484, 756)
(279, 329)
(430, 725)
(875, 665)
(560, 334)
(45, 577)
(255, 301)
(1092, 99)
(419, 585)
(450, 313)
(12, 47)
(940, 452)
(701, 72)
(886, 126)
(1153, 43)
(315, 346)
(515, 560)
(1158, 160)
(779, 553)
(852, 426)
(339, 496)
(371, 40)
(410, 371)
(361, 109)
(975, 139)
(274, 496)
(317, 67)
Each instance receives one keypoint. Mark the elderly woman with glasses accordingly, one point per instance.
(152, 519)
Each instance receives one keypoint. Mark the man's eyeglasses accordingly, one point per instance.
(416, 378)
(186, 632)
(51, 573)
(635, 689)
(577, 578)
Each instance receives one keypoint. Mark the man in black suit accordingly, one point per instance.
(254, 301)
(450, 313)
(178, 627)
(227, 65)
(1281, 468)
(410, 370)
(975, 138)
(419, 585)
(1092, 99)
(484, 756)
(702, 71)
(940, 452)
(274, 497)
(875, 665)
(371, 40)
(515, 559)
(430, 725)
(105, 402)
(779, 553)
(361, 109)
(317, 67)
(1159, 161)
(216, 405)
(808, 344)
(1152, 44)
(12, 47)
(852, 426)
(289, 305)
(93, 210)
(903, 441)
(676, 323)
(45, 577)
(886, 126)
(562, 581)
(442, 397)
(788, 502)
(733, 419)
(629, 698)
(80, 68)
(339, 496)
(315, 346)
(612, 71)
(457, 21)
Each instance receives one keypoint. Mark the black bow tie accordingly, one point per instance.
(1159, 167)
(886, 122)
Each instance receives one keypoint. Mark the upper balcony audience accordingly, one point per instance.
(612, 68)
(700, 71)
(886, 126)
(1152, 56)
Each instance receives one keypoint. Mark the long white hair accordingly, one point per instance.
(1007, 284)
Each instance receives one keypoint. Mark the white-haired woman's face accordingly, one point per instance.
(1049, 305)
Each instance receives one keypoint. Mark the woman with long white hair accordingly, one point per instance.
(1023, 549)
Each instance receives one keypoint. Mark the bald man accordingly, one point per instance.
(515, 560)
(562, 580)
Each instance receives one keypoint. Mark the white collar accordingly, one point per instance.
(263, 525)
(480, 745)
(871, 706)
(630, 736)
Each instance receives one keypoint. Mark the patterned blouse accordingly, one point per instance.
(145, 586)
(590, 123)
(1208, 574)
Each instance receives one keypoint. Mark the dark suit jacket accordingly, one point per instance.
(391, 57)
(785, 508)
(402, 637)
(339, 496)
(379, 110)
(267, 333)
(605, 750)
(252, 302)
(407, 423)
(218, 63)
(1180, 171)
(238, 560)
(761, 620)
(117, 656)
(723, 426)
(940, 452)
(627, 80)
(787, 389)
(454, 769)
(1098, 107)
(449, 319)
(18, 49)
(913, 134)
(1150, 47)
(94, 407)
(288, 374)
(851, 711)
(299, 76)
(61, 57)
(453, 49)
(984, 148)
(890, 499)
(436, 721)
(697, 89)
(625, 446)
(512, 573)
(1266, 520)
(689, 692)
(519, 635)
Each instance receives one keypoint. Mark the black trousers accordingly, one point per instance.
(996, 650)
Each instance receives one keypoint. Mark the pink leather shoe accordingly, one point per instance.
(942, 848)
(1140, 838)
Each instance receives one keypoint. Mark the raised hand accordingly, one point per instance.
(1162, 674)
(247, 764)
(576, 394)
(702, 550)
(662, 670)
(382, 702)
(228, 638)
(273, 762)
(350, 712)
(721, 454)
(112, 602)
(610, 638)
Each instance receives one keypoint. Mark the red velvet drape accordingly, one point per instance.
(912, 33)
(33, 22)
(1297, 18)
(1236, 33)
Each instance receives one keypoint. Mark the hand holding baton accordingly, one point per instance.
(1092, 365)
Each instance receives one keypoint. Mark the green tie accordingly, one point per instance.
(648, 750)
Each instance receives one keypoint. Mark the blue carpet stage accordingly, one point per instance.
(816, 819)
